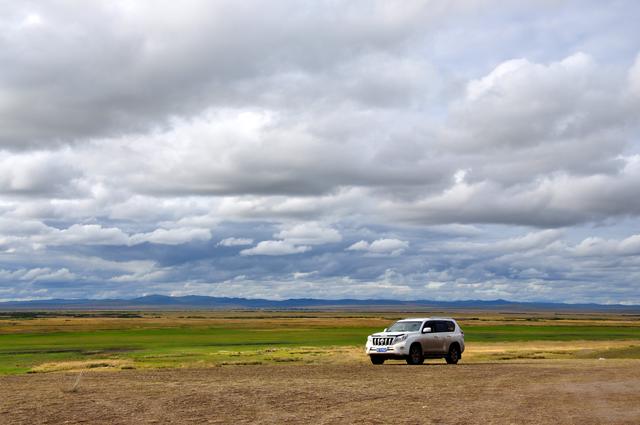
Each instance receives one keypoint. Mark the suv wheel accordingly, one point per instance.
(377, 359)
(453, 355)
(415, 356)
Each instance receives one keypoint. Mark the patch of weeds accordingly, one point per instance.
(76, 384)
(286, 359)
(251, 363)
(306, 352)
(629, 352)
(522, 356)
(97, 365)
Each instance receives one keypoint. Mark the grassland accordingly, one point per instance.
(41, 342)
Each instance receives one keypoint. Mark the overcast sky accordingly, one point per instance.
(331, 149)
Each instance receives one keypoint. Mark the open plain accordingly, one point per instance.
(309, 367)
(534, 392)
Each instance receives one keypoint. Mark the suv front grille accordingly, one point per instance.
(383, 340)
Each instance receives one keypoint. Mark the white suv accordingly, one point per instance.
(417, 339)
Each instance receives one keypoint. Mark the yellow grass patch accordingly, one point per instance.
(79, 365)
(539, 349)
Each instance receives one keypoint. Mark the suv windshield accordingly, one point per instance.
(405, 327)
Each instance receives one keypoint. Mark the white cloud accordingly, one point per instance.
(596, 246)
(46, 274)
(150, 276)
(359, 246)
(48, 173)
(275, 248)
(309, 234)
(509, 110)
(40, 235)
(381, 247)
(172, 236)
(531, 241)
(295, 239)
(84, 234)
(304, 275)
(235, 242)
(434, 285)
(32, 20)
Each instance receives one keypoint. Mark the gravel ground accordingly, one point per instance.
(539, 392)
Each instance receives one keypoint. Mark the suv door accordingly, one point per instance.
(448, 334)
(431, 341)
(442, 337)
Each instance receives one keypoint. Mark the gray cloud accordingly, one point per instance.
(76, 71)
(363, 148)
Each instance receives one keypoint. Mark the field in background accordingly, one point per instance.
(56, 341)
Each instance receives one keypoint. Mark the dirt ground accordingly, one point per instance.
(538, 392)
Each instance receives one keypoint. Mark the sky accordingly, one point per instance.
(397, 149)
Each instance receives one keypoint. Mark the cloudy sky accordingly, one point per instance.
(365, 149)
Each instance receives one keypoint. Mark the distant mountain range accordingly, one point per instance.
(195, 302)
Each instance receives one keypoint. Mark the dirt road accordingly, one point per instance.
(539, 392)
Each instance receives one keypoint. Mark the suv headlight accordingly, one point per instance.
(400, 338)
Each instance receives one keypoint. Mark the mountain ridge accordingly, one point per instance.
(193, 302)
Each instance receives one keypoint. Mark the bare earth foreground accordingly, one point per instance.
(567, 392)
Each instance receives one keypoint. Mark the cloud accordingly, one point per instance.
(359, 246)
(172, 236)
(164, 66)
(151, 276)
(496, 158)
(557, 200)
(235, 242)
(94, 234)
(131, 134)
(42, 274)
(530, 241)
(87, 234)
(50, 275)
(39, 173)
(275, 248)
(507, 112)
(381, 247)
(595, 246)
(634, 77)
(309, 234)
(304, 275)
(295, 239)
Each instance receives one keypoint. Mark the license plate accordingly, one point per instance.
(382, 350)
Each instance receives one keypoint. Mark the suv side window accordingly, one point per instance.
(451, 327)
(441, 326)
(431, 325)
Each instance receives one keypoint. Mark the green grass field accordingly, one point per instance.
(506, 333)
(173, 340)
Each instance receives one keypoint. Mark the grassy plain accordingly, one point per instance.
(55, 341)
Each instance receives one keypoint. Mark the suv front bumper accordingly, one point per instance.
(396, 350)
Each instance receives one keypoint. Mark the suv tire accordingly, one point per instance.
(416, 356)
(453, 355)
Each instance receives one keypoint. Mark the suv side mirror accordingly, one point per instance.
(385, 329)
(426, 330)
